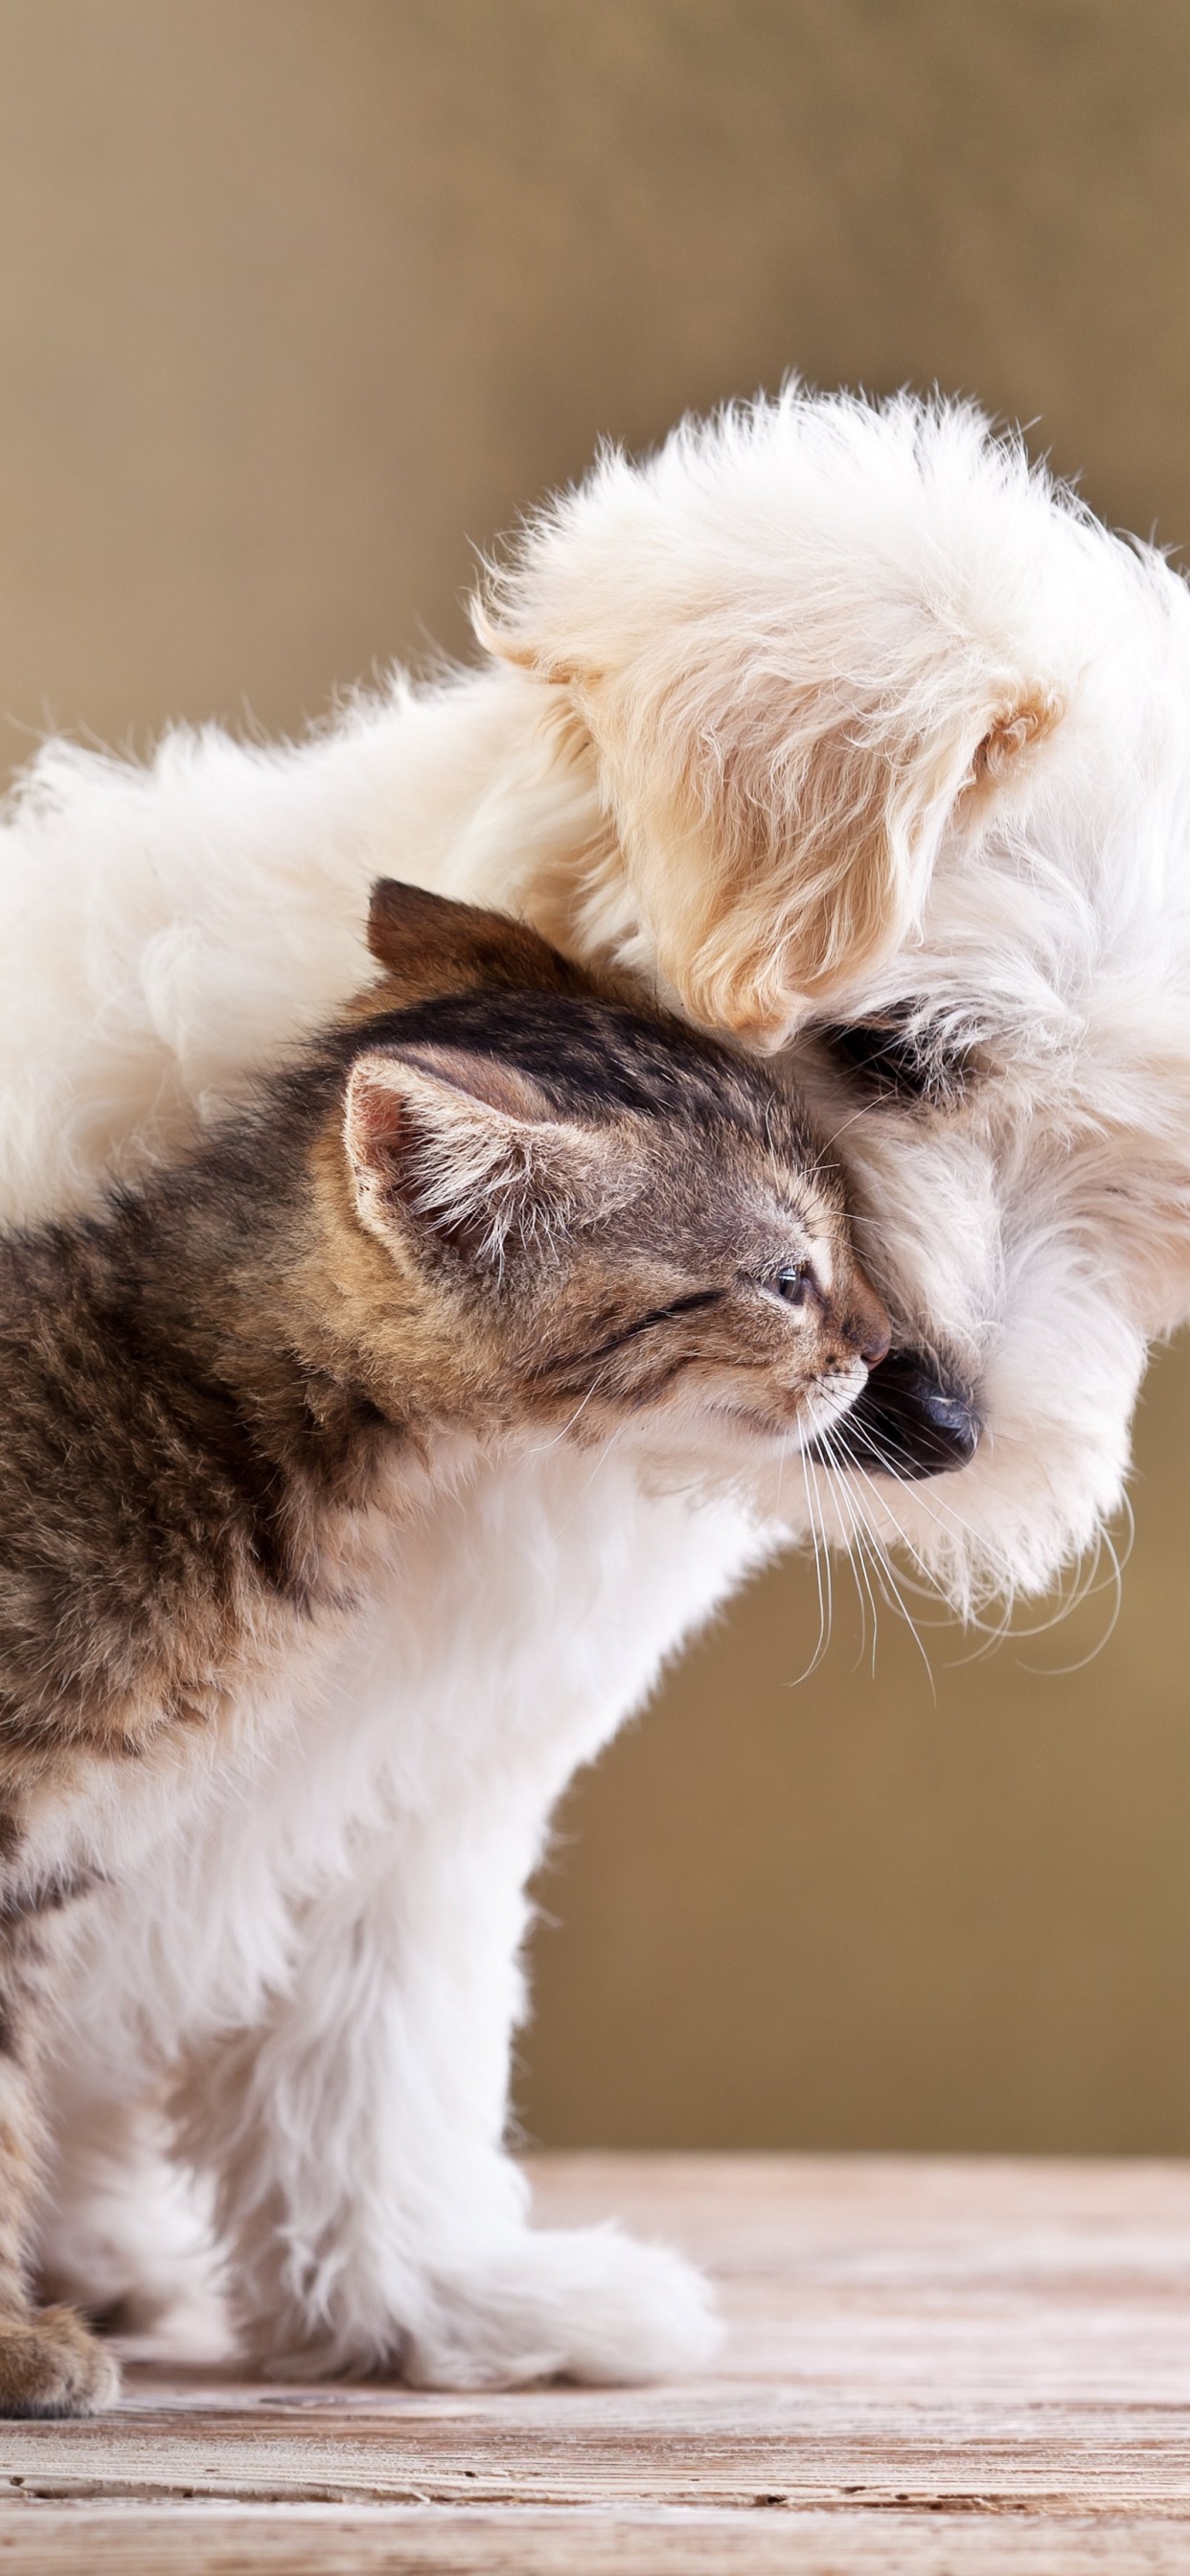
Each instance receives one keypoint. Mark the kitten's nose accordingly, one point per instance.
(868, 1324)
(874, 1339)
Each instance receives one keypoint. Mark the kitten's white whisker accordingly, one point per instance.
(884, 1562)
(541, 1448)
(856, 1559)
(940, 1512)
(863, 1539)
(848, 1462)
(601, 1461)
(822, 1551)
(823, 1630)
(1084, 1587)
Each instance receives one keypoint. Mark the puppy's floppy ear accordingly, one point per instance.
(465, 1150)
(801, 643)
(429, 944)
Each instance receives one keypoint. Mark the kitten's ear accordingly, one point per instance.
(463, 1148)
(429, 944)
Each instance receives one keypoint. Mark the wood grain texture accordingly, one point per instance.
(932, 2365)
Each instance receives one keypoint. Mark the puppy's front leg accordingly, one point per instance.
(372, 2218)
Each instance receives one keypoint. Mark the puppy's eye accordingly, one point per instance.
(793, 1285)
(900, 1057)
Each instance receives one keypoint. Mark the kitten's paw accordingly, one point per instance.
(51, 2364)
(585, 2303)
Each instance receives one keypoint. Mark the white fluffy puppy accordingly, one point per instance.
(860, 739)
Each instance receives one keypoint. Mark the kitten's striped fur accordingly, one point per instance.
(496, 1199)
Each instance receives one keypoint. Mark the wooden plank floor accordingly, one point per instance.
(933, 2366)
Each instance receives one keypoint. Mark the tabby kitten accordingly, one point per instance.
(496, 1202)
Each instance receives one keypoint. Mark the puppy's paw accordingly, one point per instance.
(51, 2364)
(585, 2304)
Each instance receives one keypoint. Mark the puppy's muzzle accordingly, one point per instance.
(912, 1420)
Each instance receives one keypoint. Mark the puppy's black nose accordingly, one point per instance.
(911, 1420)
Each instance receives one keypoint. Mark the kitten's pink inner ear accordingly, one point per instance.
(421, 1091)
(375, 1110)
(489, 1080)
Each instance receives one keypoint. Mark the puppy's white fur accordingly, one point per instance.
(826, 709)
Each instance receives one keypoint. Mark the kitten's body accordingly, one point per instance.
(494, 1209)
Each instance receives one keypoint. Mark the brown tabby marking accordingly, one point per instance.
(496, 1195)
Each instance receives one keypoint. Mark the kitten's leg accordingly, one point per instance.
(371, 2216)
(50, 2363)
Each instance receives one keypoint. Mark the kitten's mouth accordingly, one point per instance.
(812, 1416)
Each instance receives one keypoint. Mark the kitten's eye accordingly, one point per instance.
(793, 1284)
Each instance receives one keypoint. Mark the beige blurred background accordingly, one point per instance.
(300, 301)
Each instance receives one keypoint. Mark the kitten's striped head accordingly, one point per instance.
(622, 1219)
